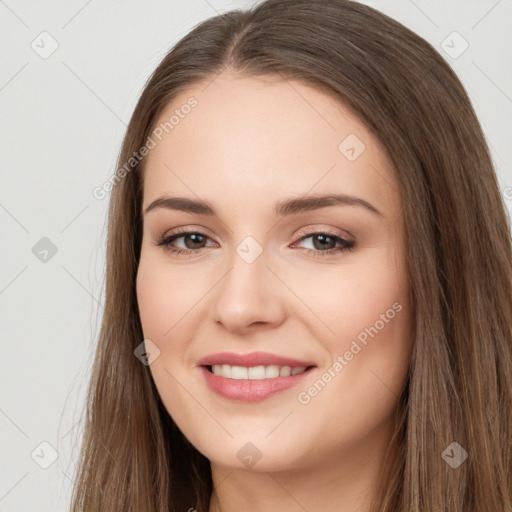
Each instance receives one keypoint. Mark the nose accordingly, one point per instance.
(249, 296)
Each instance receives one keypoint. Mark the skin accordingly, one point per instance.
(248, 143)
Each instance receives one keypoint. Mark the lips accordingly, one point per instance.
(252, 390)
(252, 359)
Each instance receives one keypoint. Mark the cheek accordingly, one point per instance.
(165, 297)
(365, 331)
(365, 301)
(166, 306)
(369, 342)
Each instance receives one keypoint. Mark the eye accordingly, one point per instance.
(196, 242)
(324, 243)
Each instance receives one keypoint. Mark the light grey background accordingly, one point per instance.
(63, 119)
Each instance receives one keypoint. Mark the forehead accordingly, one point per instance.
(257, 137)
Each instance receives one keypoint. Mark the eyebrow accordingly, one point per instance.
(282, 208)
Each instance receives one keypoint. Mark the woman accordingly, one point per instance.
(308, 294)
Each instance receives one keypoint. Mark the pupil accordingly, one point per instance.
(321, 237)
(194, 237)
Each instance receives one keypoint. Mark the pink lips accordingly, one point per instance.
(249, 390)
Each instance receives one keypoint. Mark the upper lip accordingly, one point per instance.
(252, 359)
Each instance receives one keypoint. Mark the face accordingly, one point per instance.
(299, 305)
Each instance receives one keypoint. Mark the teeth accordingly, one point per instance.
(255, 372)
(226, 370)
(238, 372)
(285, 371)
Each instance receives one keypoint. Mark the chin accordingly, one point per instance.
(257, 456)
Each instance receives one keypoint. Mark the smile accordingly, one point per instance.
(255, 372)
(248, 384)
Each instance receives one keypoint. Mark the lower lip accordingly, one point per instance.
(249, 390)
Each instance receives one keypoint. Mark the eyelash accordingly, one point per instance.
(347, 245)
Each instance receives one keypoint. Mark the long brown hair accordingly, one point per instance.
(459, 388)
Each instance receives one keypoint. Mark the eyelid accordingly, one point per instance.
(326, 231)
(188, 229)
